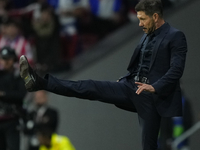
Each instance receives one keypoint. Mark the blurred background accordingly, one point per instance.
(92, 39)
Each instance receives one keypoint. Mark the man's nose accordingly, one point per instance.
(140, 24)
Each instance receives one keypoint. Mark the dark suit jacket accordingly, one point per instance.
(49, 120)
(14, 92)
(166, 68)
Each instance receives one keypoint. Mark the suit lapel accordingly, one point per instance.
(158, 39)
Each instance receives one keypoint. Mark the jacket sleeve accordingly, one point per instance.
(178, 50)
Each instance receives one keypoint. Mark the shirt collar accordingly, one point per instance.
(157, 31)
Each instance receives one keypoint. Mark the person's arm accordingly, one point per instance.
(178, 49)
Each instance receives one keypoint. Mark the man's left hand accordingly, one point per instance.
(144, 87)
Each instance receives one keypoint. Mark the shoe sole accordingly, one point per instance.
(24, 72)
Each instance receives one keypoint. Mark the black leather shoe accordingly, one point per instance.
(28, 75)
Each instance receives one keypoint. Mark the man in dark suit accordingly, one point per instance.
(152, 85)
(41, 116)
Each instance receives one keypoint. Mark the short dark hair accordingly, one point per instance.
(150, 7)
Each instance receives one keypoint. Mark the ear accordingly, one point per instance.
(155, 17)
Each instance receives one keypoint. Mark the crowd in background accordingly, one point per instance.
(52, 32)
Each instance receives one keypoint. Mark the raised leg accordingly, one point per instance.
(105, 91)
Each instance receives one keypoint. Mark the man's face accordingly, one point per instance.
(11, 31)
(40, 98)
(7, 64)
(146, 22)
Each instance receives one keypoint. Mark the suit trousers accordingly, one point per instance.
(118, 93)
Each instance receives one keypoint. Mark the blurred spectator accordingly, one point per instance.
(132, 14)
(171, 128)
(64, 9)
(70, 38)
(107, 9)
(4, 5)
(11, 35)
(12, 93)
(70, 45)
(41, 115)
(106, 15)
(96, 19)
(47, 39)
(51, 141)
